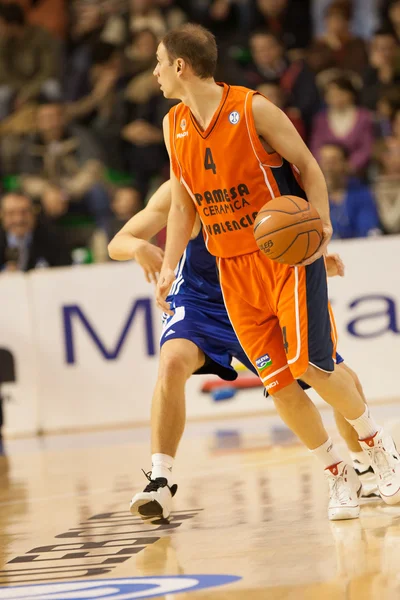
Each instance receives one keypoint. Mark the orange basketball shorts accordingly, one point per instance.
(281, 316)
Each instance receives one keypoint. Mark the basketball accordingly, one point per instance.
(288, 229)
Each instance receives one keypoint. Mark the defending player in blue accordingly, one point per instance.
(200, 340)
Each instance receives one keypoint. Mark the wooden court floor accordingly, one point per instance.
(251, 503)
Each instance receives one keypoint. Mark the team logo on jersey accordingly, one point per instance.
(183, 124)
(234, 117)
(263, 362)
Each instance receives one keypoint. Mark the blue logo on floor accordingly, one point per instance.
(112, 589)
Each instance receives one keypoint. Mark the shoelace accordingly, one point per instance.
(380, 457)
(339, 490)
(154, 484)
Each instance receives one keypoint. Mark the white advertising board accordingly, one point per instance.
(86, 344)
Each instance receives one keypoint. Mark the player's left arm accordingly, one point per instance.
(277, 130)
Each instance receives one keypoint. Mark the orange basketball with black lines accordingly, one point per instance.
(288, 229)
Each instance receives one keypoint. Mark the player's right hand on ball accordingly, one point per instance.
(150, 258)
(166, 279)
(326, 238)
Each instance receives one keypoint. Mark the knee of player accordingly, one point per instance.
(313, 375)
(285, 393)
(174, 365)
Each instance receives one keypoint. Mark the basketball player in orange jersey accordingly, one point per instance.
(195, 342)
(231, 150)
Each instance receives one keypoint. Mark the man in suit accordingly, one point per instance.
(26, 242)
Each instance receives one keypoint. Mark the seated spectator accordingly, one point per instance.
(228, 21)
(29, 61)
(26, 242)
(343, 122)
(384, 67)
(145, 151)
(126, 202)
(146, 155)
(365, 16)
(288, 19)
(393, 18)
(174, 13)
(87, 28)
(62, 167)
(103, 76)
(276, 95)
(102, 108)
(295, 78)
(338, 47)
(48, 14)
(387, 186)
(144, 14)
(352, 206)
(142, 52)
(387, 105)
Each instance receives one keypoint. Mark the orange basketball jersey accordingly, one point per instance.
(227, 171)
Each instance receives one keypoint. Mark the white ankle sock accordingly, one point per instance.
(327, 454)
(364, 425)
(162, 466)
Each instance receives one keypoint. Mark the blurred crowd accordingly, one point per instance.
(81, 145)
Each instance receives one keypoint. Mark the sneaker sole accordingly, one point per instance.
(370, 496)
(343, 514)
(394, 499)
(146, 509)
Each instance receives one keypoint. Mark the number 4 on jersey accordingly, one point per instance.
(209, 161)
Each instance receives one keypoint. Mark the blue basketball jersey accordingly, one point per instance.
(197, 277)
(200, 314)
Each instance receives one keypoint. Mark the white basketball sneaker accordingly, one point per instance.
(344, 489)
(385, 461)
(368, 480)
(155, 500)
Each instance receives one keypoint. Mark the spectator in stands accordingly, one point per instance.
(288, 19)
(99, 101)
(270, 64)
(388, 103)
(86, 29)
(29, 61)
(393, 17)
(126, 202)
(144, 14)
(102, 108)
(352, 205)
(345, 123)
(142, 52)
(387, 185)
(62, 167)
(276, 95)
(26, 242)
(228, 21)
(145, 153)
(338, 47)
(384, 67)
(365, 16)
(145, 150)
(48, 14)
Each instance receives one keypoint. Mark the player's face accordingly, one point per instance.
(166, 73)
